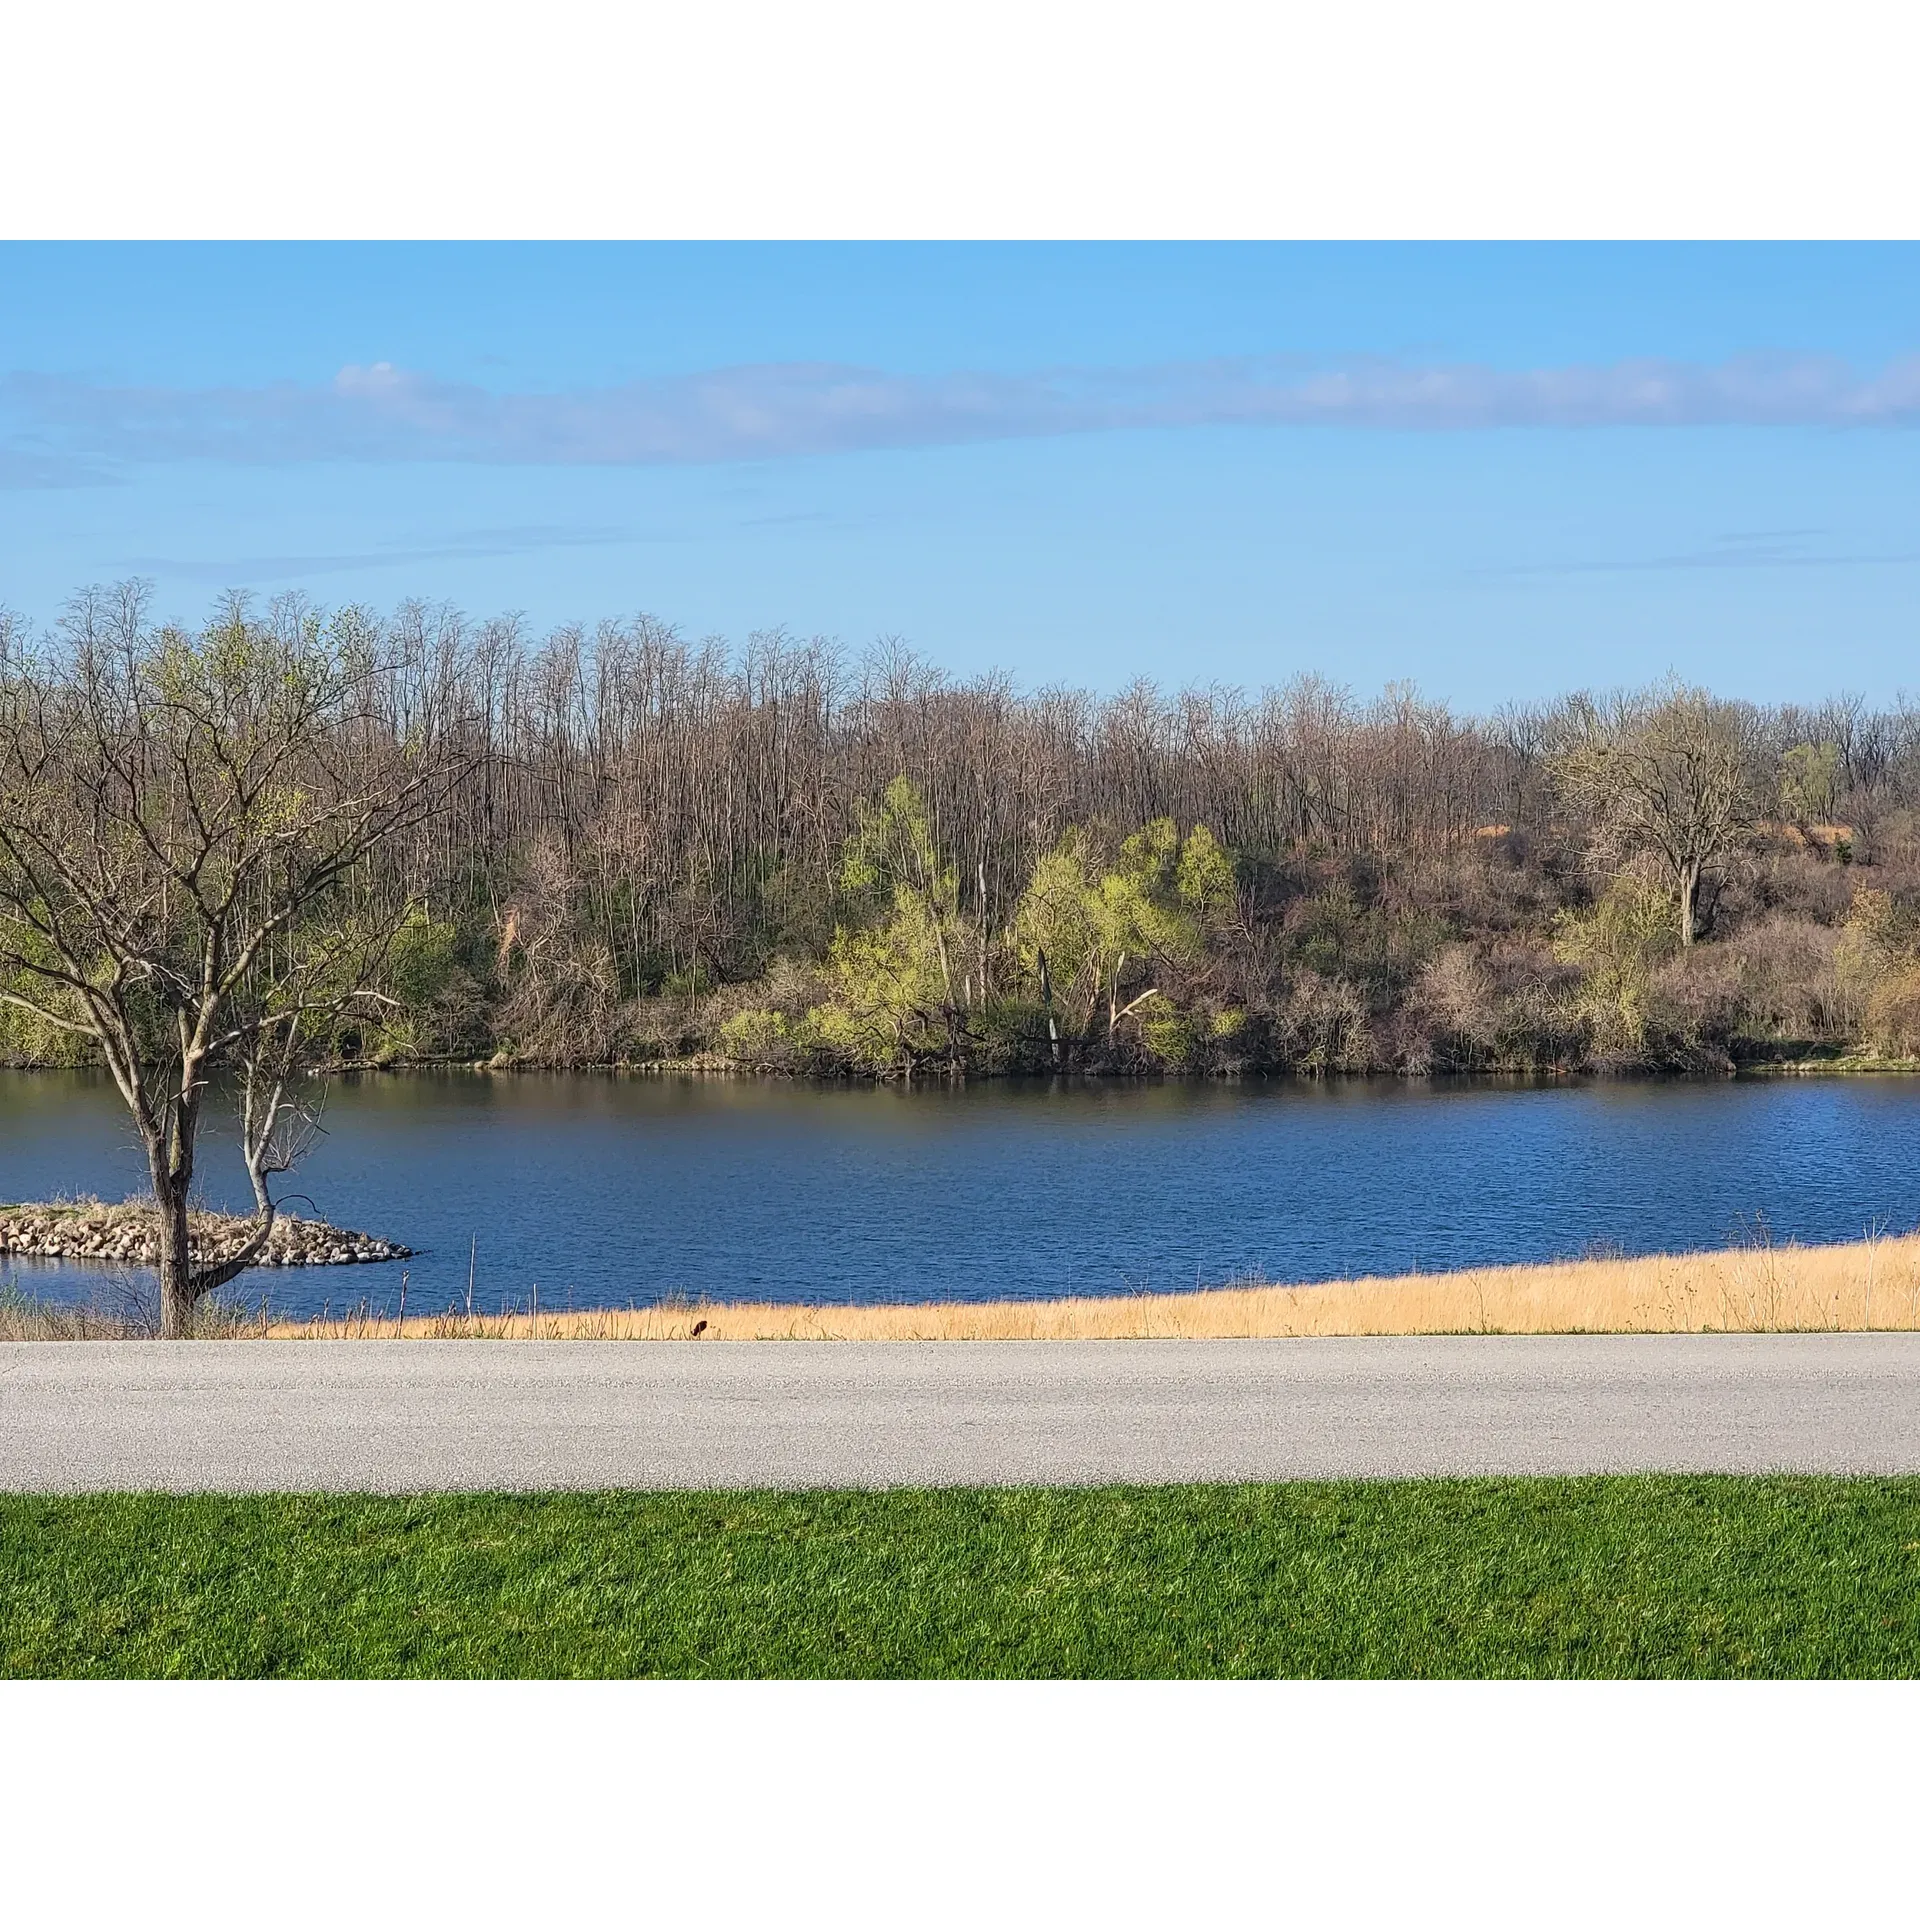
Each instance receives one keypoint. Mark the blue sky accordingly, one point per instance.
(1496, 471)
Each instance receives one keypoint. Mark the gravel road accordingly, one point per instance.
(407, 1415)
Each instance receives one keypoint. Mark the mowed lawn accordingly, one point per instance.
(1678, 1576)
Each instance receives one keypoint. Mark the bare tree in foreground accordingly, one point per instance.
(186, 830)
(1670, 776)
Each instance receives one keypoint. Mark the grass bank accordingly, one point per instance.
(1858, 1286)
(1867, 1284)
(1676, 1577)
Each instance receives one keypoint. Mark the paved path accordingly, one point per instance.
(462, 1414)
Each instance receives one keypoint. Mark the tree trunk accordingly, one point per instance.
(170, 1148)
(1046, 995)
(176, 1256)
(1689, 898)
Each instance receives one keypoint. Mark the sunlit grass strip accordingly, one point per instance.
(1693, 1576)
(1865, 1284)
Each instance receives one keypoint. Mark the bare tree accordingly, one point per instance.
(656, 818)
(1669, 775)
(187, 827)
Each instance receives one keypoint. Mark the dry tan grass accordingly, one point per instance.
(1868, 1283)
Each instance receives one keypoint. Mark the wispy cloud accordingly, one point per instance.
(483, 543)
(388, 413)
(1792, 548)
(25, 469)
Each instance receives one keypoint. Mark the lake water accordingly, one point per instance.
(603, 1190)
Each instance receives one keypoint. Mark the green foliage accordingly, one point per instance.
(657, 830)
(1164, 894)
(429, 975)
(782, 912)
(28, 1041)
(886, 989)
(33, 1009)
(1327, 930)
(1629, 1577)
(422, 958)
(1130, 929)
(687, 983)
(765, 1037)
(1810, 782)
(1370, 951)
(891, 849)
(1057, 914)
(890, 993)
(1172, 1036)
(1203, 876)
(1618, 947)
(1666, 779)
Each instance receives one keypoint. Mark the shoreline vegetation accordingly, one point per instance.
(1786, 1063)
(1868, 1285)
(668, 856)
(273, 843)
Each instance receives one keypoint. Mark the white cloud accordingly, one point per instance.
(387, 413)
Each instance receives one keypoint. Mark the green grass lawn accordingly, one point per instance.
(1480, 1577)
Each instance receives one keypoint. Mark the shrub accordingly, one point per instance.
(1323, 1028)
(1893, 1014)
(1455, 1002)
(441, 1007)
(886, 990)
(1617, 947)
(1171, 1036)
(759, 1037)
(27, 1042)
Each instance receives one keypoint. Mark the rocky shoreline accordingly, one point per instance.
(94, 1230)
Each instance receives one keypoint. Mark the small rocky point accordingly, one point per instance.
(92, 1230)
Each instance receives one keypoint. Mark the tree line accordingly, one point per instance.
(291, 837)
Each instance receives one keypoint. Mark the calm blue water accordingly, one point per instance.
(604, 1190)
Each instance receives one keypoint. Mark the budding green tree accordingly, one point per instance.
(186, 825)
(891, 982)
(1106, 936)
